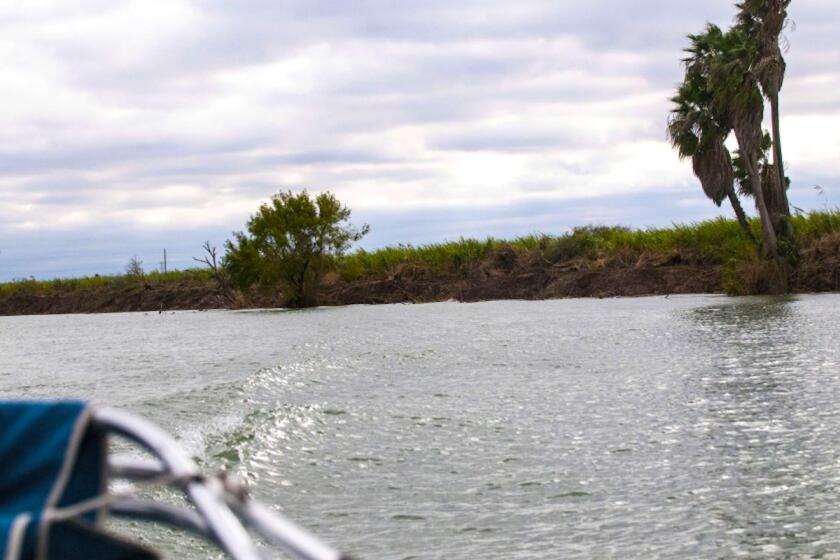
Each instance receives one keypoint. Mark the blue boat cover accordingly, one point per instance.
(52, 470)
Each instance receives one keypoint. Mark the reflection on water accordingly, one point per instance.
(771, 459)
(684, 427)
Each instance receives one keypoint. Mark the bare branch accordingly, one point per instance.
(220, 275)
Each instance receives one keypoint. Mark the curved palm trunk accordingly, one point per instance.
(748, 133)
(739, 213)
(780, 205)
(784, 227)
(770, 234)
(777, 153)
(770, 245)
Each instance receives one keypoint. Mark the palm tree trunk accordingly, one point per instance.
(770, 245)
(777, 153)
(748, 134)
(784, 227)
(739, 213)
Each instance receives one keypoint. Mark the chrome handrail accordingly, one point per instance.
(222, 507)
(147, 510)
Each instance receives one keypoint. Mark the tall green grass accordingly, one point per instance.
(813, 225)
(712, 242)
(436, 257)
(715, 242)
(30, 286)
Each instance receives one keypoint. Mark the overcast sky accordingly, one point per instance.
(130, 126)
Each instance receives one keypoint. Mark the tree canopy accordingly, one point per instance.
(291, 241)
(728, 75)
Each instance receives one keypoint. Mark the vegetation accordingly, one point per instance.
(714, 243)
(215, 266)
(33, 287)
(728, 76)
(292, 241)
(134, 267)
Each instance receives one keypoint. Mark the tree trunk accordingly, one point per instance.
(747, 126)
(739, 213)
(770, 243)
(777, 154)
(307, 296)
(780, 207)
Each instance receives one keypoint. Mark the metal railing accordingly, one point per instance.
(223, 511)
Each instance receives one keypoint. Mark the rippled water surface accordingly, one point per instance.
(628, 428)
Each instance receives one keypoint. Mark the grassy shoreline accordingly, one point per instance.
(589, 261)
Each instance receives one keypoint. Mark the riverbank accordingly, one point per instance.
(407, 285)
(708, 257)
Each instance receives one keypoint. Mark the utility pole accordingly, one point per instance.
(164, 261)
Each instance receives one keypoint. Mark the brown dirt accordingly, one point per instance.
(523, 281)
(819, 266)
(137, 297)
(507, 274)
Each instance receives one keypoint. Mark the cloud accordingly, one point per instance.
(131, 124)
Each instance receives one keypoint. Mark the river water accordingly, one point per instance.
(698, 426)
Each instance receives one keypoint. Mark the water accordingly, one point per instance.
(633, 428)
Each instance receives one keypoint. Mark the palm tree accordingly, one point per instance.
(724, 59)
(728, 75)
(698, 129)
(763, 21)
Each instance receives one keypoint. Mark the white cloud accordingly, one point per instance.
(176, 118)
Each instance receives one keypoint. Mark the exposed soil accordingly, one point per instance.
(819, 266)
(505, 275)
(412, 285)
(405, 285)
(139, 297)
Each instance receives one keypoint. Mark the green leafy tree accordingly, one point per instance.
(290, 242)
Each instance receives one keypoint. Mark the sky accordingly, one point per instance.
(128, 127)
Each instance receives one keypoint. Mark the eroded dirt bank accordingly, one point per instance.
(404, 285)
(504, 275)
(107, 299)
(412, 285)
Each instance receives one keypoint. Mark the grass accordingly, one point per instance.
(713, 242)
(813, 225)
(30, 286)
(436, 257)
